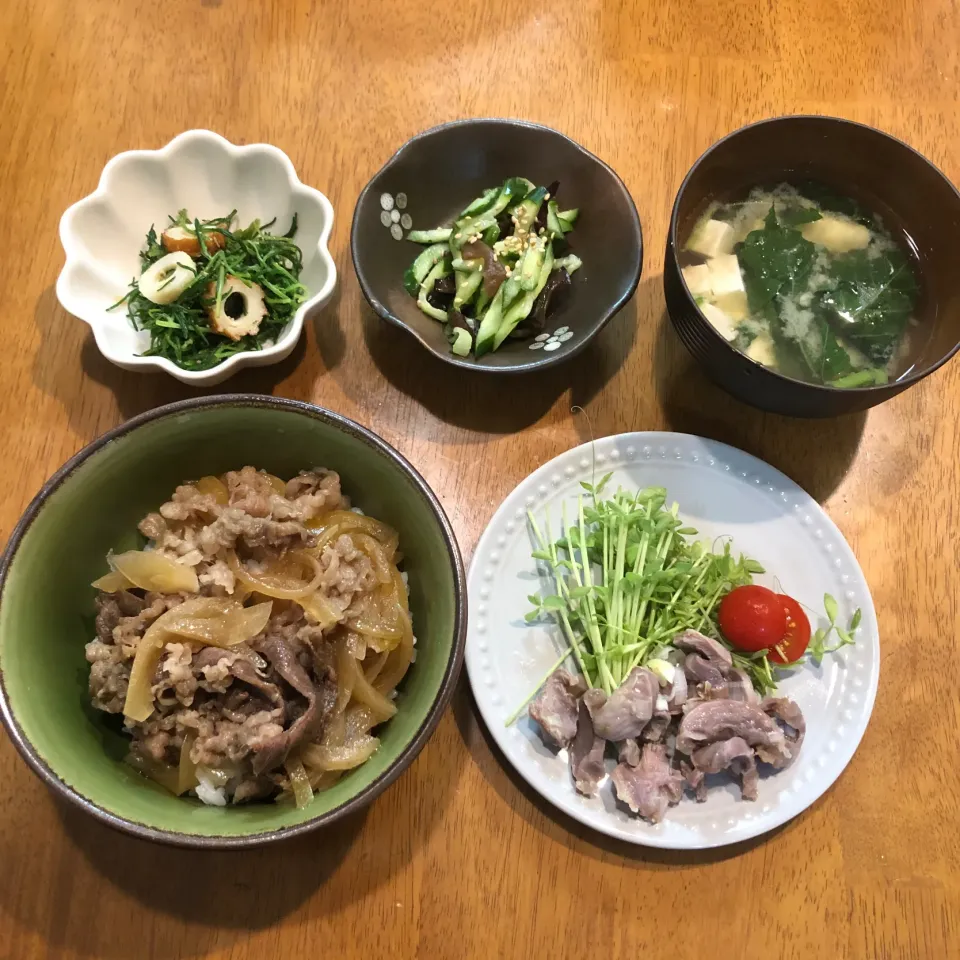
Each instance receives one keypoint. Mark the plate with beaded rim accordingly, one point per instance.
(723, 492)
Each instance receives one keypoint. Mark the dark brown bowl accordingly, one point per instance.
(878, 170)
(442, 170)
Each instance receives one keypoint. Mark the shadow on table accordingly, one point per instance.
(65, 340)
(490, 402)
(501, 775)
(815, 453)
(234, 889)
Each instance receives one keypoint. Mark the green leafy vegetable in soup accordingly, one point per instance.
(805, 283)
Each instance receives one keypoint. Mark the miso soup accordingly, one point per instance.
(807, 283)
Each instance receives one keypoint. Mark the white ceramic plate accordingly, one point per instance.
(721, 491)
(102, 235)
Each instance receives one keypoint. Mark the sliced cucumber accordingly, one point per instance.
(527, 209)
(430, 236)
(521, 309)
(482, 203)
(554, 226)
(483, 301)
(460, 341)
(568, 218)
(482, 222)
(571, 263)
(468, 265)
(490, 324)
(441, 269)
(491, 235)
(418, 270)
(468, 283)
(530, 265)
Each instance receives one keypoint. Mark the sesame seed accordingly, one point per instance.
(546, 196)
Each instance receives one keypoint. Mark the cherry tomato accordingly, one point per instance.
(794, 643)
(752, 618)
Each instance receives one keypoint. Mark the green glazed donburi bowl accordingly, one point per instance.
(93, 504)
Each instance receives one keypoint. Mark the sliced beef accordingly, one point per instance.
(586, 754)
(651, 787)
(244, 671)
(318, 705)
(114, 607)
(713, 720)
(735, 755)
(790, 716)
(555, 708)
(629, 708)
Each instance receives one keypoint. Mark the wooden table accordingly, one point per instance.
(458, 859)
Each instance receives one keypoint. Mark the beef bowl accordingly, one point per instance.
(276, 625)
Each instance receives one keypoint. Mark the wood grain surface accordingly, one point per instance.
(458, 859)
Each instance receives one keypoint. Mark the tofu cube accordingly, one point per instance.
(725, 275)
(734, 304)
(719, 321)
(697, 279)
(712, 238)
(763, 351)
(836, 234)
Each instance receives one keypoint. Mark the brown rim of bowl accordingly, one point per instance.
(406, 756)
(903, 382)
(540, 363)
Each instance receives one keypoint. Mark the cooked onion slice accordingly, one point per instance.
(321, 610)
(187, 771)
(214, 487)
(149, 570)
(279, 580)
(299, 782)
(112, 582)
(139, 701)
(224, 628)
(168, 777)
(350, 755)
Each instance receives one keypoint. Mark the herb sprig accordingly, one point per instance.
(629, 579)
(181, 331)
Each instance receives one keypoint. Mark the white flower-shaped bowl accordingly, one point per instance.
(102, 236)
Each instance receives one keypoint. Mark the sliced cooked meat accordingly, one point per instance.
(691, 641)
(586, 755)
(628, 752)
(274, 751)
(735, 755)
(594, 698)
(679, 691)
(714, 720)
(790, 715)
(284, 661)
(555, 708)
(695, 780)
(656, 730)
(244, 670)
(651, 787)
(629, 708)
(739, 686)
(698, 670)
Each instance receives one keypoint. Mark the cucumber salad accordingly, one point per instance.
(499, 270)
